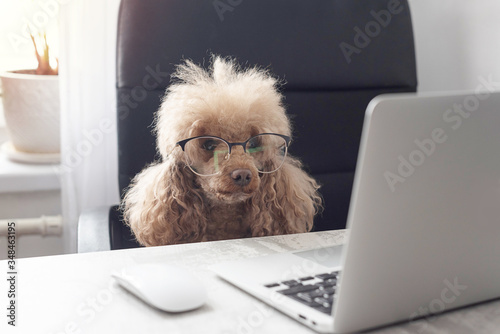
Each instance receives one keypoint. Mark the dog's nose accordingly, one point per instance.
(241, 177)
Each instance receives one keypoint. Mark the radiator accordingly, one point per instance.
(44, 225)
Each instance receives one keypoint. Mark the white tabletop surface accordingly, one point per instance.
(76, 294)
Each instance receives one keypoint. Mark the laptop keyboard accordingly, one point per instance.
(314, 291)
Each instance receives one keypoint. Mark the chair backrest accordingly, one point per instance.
(335, 55)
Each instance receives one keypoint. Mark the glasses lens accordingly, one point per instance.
(205, 155)
(268, 152)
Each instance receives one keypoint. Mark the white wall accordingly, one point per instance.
(31, 205)
(456, 42)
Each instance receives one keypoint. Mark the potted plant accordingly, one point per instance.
(32, 112)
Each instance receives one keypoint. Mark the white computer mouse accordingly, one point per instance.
(166, 287)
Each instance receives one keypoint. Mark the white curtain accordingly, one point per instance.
(88, 106)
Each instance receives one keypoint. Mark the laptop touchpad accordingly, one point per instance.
(326, 256)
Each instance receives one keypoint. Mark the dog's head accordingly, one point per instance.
(225, 108)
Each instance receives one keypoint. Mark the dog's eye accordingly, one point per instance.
(210, 145)
(255, 142)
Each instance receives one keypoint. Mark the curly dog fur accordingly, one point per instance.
(168, 204)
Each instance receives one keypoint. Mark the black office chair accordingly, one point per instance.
(336, 55)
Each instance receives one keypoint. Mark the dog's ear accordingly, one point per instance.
(287, 201)
(163, 206)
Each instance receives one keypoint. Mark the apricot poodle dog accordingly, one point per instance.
(225, 173)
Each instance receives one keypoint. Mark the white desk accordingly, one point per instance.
(75, 294)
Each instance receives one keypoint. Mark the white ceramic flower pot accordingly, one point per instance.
(32, 112)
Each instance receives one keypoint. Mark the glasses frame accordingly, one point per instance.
(287, 139)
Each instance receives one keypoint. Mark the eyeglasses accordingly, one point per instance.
(204, 155)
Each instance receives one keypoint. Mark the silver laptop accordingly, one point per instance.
(424, 222)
